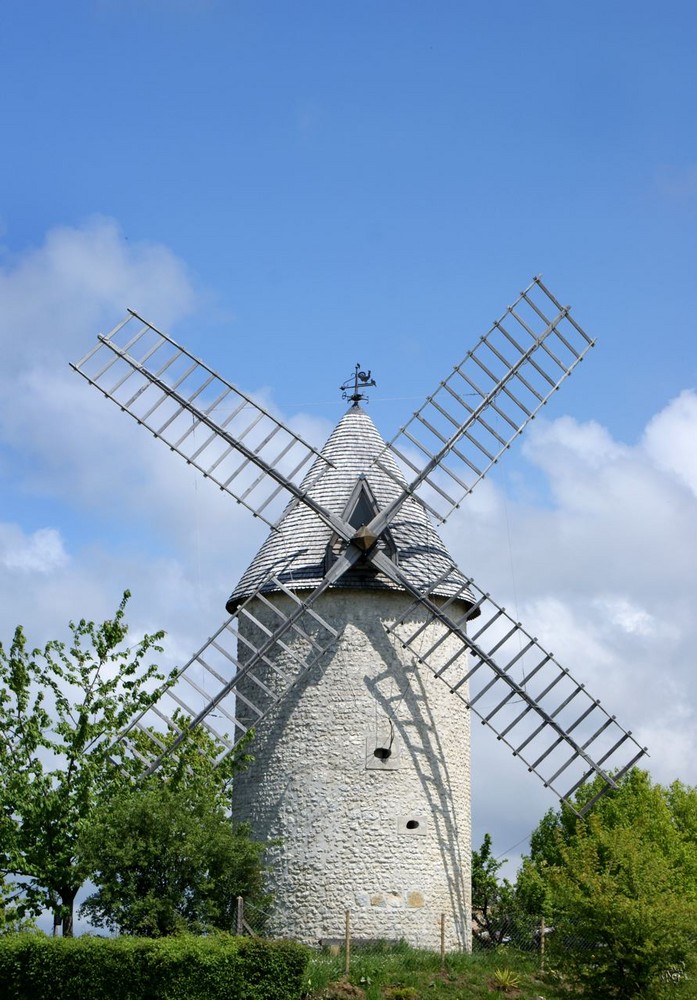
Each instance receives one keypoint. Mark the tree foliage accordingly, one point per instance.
(13, 916)
(493, 899)
(166, 857)
(620, 888)
(162, 851)
(60, 710)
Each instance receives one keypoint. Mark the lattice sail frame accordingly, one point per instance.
(450, 444)
(473, 417)
(205, 690)
(220, 430)
(518, 690)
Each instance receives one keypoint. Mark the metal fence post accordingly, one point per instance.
(240, 915)
(542, 944)
(442, 940)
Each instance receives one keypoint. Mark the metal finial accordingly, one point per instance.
(358, 379)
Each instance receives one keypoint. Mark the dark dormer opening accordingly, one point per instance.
(364, 508)
(360, 511)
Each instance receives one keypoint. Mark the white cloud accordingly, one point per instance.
(81, 279)
(131, 513)
(620, 611)
(670, 440)
(605, 575)
(40, 552)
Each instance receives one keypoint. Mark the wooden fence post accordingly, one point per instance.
(347, 943)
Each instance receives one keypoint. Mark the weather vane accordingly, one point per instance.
(358, 379)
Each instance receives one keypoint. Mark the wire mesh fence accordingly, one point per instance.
(493, 931)
(522, 932)
(523, 957)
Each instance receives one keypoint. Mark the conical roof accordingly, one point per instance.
(300, 550)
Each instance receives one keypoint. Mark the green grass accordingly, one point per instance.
(402, 973)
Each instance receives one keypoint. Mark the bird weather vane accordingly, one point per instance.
(359, 378)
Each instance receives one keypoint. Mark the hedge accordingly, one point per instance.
(35, 967)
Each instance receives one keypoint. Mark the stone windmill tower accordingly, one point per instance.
(356, 650)
(361, 775)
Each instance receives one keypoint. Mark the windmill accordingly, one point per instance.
(356, 650)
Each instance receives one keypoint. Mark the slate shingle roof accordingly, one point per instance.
(303, 537)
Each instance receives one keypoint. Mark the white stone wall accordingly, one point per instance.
(386, 838)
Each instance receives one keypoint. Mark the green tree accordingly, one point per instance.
(61, 709)
(166, 857)
(493, 899)
(167, 861)
(620, 888)
(12, 911)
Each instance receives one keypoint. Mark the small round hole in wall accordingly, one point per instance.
(412, 824)
(382, 753)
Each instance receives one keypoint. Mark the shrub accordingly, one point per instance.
(34, 967)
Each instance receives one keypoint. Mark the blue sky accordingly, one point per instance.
(290, 188)
(374, 179)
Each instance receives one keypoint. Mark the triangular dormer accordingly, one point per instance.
(359, 511)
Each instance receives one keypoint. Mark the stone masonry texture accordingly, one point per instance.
(360, 783)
